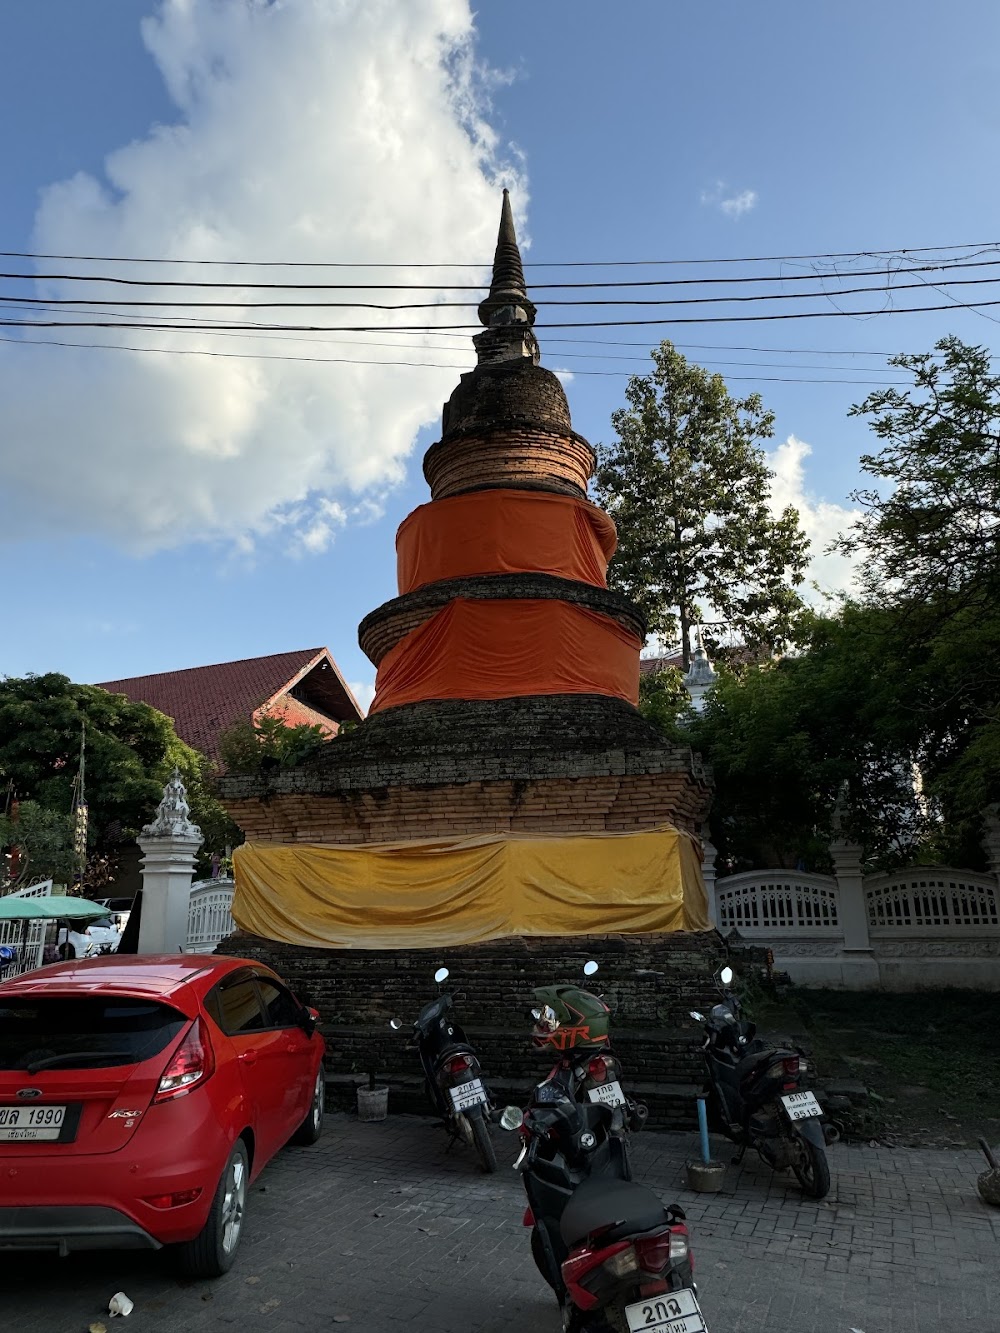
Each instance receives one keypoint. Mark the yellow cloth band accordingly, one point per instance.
(445, 892)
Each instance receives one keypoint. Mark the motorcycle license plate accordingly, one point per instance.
(30, 1124)
(609, 1093)
(674, 1312)
(468, 1094)
(801, 1106)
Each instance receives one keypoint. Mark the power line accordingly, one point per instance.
(468, 328)
(570, 263)
(758, 298)
(356, 361)
(945, 266)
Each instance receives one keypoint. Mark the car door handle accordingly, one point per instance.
(248, 1057)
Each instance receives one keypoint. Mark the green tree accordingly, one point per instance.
(689, 489)
(44, 839)
(131, 749)
(929, 541)
(929, 535)
(268, 742)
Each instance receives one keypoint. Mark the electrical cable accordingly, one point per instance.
(569, 263)
(946, 266)
(356, 361)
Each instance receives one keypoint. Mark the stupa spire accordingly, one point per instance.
(508, 301)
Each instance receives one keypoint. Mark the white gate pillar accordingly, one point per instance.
(169, 846)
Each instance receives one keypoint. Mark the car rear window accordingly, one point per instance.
(83, 1032)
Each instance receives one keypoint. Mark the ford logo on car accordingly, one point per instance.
(26, 1094)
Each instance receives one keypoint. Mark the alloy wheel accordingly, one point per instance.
(234, 1204)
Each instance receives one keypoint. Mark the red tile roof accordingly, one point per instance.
(650, 665)
(206, 701)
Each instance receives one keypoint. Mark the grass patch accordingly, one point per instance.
(932, 1059)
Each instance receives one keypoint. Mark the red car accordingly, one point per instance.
(140, 1096)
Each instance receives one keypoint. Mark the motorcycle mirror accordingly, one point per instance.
(441, 974)
(726, 976)
(590, 968)
(395, 1024)
(511, 1118)
(536, 1014)
(698, 1018)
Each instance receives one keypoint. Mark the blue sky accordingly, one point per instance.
(167, 511)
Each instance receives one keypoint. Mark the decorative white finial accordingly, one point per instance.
(172, 813)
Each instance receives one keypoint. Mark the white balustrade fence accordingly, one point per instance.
(925, 927)
(209, 915)
(25, 941)
(769, 901)
(932, 900)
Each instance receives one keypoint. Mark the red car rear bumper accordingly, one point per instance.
(100, 1200)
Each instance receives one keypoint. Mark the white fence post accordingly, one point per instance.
(169, 844)
(991, 839)
(848, 870)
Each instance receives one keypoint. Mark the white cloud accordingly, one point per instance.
(306, 130)
(821, 520)
(363, 691)
(733, 205)
(563, 376)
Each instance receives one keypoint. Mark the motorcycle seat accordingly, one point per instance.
(752, 1064)
(614, 1208)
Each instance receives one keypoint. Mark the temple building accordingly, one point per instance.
(504, 783)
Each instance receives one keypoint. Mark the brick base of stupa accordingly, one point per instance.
(555, 764)
(650, 981)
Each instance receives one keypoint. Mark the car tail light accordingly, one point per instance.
(666, 1248)
(598, 1069)
(173, 1200)
(192, 1063)
(460, 1064)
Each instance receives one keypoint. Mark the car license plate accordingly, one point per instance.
(30, 1124)
(674, 1312)
(609, 1093)
(468, 1094)
(801, 1106)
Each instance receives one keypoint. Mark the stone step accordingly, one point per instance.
(671, 1104)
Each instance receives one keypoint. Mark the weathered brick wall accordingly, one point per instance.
(596, 804)
(529, 456)
(650, 981)
(510, 393)
(295, 713)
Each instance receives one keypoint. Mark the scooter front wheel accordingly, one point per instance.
(483, 1143)
(813, 1171)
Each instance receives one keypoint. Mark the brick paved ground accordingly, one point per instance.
(377, 1228)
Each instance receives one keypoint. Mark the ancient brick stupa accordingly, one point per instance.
(504, 784)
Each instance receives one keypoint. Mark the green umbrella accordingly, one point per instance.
(50, 908)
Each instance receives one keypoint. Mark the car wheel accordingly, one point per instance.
(312, 1127)
(213, 1250)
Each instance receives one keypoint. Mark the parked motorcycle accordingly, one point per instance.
(756, 1094)
(573, 1023)
(452, 1074)
(616, 1258)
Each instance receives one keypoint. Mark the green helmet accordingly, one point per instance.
(569, 1017)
